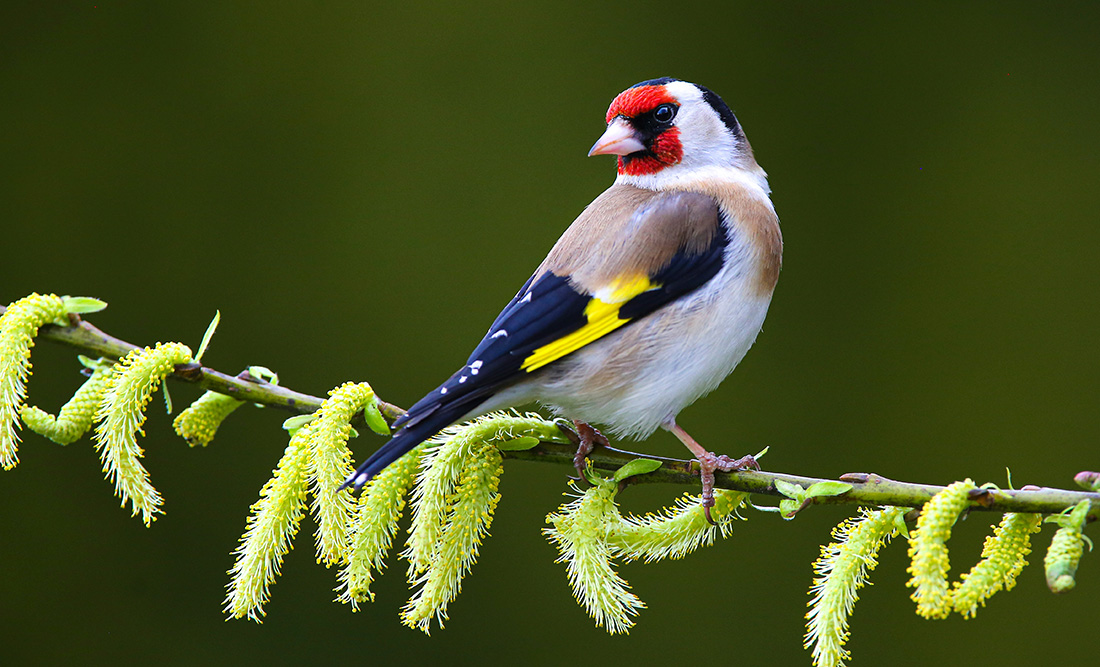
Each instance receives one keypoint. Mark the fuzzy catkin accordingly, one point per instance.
(272, 524)
(841, 571)
(1003, 558)
(928, 550)
(200, 421)
(18, 326)
(376, 515)
(75, 417)
(135, 379)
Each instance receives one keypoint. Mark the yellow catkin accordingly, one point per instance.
(1062, 559)
(271, 526)
(376, 516)
(1066, 548)
(469, 516)
(135, 379)
(441, 465)
(928, 550)
(18, 326)
(580, 530)
(1003, 557)
(676, 531)
(200, 421)
(76, 416)
(330, 465)
(841, 571)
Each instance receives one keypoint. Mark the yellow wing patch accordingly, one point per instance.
(602, 314)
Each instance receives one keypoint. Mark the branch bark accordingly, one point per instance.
(867, 488)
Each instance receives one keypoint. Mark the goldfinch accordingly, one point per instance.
(649, 299)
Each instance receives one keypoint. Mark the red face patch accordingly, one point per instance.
(638, 100)
(665, 149)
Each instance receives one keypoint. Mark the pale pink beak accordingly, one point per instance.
(619, 139)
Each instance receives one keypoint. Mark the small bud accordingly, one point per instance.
(1087, 480)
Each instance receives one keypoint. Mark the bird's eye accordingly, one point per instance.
(664, 113)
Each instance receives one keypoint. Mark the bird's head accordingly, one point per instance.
(666, 128)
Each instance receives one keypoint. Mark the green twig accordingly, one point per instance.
(867, 489)
(93, 342)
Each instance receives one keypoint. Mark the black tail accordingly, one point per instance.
(423, 420)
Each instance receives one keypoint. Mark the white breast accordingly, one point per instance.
(637, 377)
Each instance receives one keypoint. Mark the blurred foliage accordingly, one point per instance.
(360, 187)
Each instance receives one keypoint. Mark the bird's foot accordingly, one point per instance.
(709, 463)
(586, 438)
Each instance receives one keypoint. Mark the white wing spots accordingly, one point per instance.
(475, 367)
(526, 298)
(461, 379)
(499, 334)
(443, 390)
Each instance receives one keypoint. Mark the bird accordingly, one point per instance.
(648, 300)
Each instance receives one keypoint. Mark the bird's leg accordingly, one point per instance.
(587, 439)
(708, 463)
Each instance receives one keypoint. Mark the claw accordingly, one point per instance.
(708, 464)
(587, 440)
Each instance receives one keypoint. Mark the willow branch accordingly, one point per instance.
(91, 341)
(867, 489)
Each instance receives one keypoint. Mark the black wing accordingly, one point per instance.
(541, 317)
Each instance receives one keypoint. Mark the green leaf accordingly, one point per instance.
(899, 524)
(264, 373)
(208, 335)
(793, 491)
(636, 467)
(82, 304)
(93, 364)
(827, 489)
(294, 423)
(167, 398)
(373, 416)
(518, 444)
(591, 476)
(788, 508)
(761, 453)
(1072, 517)
(764, 508)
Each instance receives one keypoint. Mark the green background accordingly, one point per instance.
(360, 187)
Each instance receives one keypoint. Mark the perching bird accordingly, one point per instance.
(649, 299)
